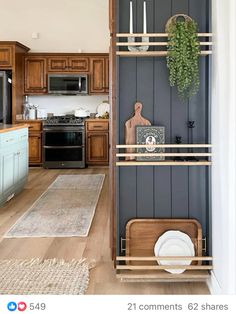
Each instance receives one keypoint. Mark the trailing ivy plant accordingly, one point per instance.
(183, 57)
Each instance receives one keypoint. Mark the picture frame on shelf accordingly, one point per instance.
(150, 135)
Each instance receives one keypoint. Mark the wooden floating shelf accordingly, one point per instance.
(166, 146)
(163, 163)
(132, 153)
(121, 35)
(161, 258)
(162, 276)
(152, 53)
(121, 44)
(129, 272)
(154, 44)
(163, 155)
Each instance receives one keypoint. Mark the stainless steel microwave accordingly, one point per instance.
(68, 84)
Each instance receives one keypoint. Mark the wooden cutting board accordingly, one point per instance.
(142, 234)
(130, 128)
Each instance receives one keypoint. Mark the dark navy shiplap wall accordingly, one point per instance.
(161, 192)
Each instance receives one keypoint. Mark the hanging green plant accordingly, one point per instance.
(183, 55)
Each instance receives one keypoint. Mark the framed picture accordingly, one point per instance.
(150, 135)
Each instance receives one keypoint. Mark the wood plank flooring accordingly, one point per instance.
(94, 247)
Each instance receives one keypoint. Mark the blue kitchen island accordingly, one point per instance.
(13, 160)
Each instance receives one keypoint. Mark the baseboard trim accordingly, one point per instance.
(214, 285)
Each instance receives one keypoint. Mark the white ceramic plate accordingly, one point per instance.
(174, 243)
(102, 109)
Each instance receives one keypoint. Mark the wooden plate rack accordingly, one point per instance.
(139, 262)
(202, 158)
(205, 44)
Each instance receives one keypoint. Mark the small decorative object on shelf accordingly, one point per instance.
(178, 140)
(132, 46)
(150, 135)
(183, 54)
(191, 126)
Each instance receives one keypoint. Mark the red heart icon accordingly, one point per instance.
(22, 306)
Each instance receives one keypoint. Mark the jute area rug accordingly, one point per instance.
(65, 209)
(35, 276)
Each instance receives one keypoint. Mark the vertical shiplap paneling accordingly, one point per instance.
(127, 98)
(169, 192)
(179, 127)
(145, 91)
(198, 112)
(162, 114)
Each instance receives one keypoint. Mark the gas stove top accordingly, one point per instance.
(64, 120)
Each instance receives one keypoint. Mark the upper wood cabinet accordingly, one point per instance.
(38, 66)
(68, 64)
(35, 75)
(6, 56)
(99, 82)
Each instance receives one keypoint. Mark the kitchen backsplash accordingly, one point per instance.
(60, 105)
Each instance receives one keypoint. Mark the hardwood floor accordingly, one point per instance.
(94, 247)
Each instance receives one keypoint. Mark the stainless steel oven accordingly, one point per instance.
(63, 146)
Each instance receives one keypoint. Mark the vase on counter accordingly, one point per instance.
(26, 109)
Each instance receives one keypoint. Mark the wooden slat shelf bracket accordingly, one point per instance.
(127, 271)
(204, 44)
(170, 159)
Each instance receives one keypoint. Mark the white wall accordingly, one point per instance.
(63, 25)
(224, 146)
(60, 105)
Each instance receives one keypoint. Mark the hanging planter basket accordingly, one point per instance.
(173, 20)
(183, 51)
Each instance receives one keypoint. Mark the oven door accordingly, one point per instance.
(63, 147)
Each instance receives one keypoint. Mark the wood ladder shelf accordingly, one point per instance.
(157, 53)
(195, 162)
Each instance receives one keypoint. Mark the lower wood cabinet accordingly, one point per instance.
(97, 142)
(35, 148)
(35, 142)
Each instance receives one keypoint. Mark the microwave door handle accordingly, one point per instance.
(80, 85)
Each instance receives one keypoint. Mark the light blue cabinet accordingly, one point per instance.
(13, 163)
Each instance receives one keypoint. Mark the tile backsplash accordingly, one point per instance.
(60, 105)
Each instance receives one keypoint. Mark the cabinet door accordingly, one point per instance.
(57, 64)
(35, 148)
(35, 75)
(22, 162)
(6, 56)
(97, 148)
(78, 64)
(9, 176)
(97, 82)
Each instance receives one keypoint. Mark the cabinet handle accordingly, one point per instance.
(10, 140)
(98, 126)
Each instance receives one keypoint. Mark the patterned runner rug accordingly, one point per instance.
(65, 209)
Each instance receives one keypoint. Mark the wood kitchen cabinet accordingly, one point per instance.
(35, 148)
(6, 56)
(68, 64)
(97, 142)
(99, 83)
(35, 141)
(38, 66)
(35, 75)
